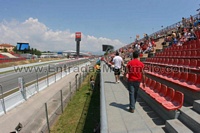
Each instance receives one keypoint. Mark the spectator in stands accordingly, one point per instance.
(181, 40)
(149, 48)
(118, 62)
(184, 22)
(137, 47)
(135, 76)
(175, 41)
(191, 34)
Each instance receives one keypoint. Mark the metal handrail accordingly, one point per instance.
(103, 118)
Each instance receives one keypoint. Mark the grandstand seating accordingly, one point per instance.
(166, 96)
(7, 57)
(190, 81)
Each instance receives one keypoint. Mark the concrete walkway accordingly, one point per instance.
(119, 119)
(25, 111)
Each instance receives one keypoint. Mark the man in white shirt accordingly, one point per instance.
(118, 62)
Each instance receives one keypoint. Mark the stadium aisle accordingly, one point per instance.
(120, 120)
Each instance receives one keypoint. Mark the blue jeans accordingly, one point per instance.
(133, 87)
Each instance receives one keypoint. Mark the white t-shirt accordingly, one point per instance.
(117, 60)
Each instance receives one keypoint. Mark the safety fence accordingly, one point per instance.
(26, 90)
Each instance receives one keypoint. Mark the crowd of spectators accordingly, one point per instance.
(183, 31)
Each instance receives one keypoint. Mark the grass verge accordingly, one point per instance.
(82, 114)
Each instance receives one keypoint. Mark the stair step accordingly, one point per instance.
(175, 126)
(190, 118)
(196, 105)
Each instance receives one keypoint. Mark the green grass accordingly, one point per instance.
(82, 114)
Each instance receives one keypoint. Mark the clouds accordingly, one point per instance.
(39, 36)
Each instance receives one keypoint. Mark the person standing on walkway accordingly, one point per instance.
(135, 76)
(118, 62)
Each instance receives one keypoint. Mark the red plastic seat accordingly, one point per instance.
(198, 45)
(186, 62)
(193, 63)
(180, 62)
(156, 90)
(175, 62)
(148, 82)
(176, 76)
(168, 97)
(151, 87)
(194, 54)
(183, 77)
(175, 54)
(193, 46)
(175, 103)
(185, 47)
(198, 53)
(171, 61)
(161, 71)
(198, 64)
(188, 54)
(179, 54)
(164, 71)
(192, 78)
(161, 93)
(198, 81)
(183, 53)
(170, 73)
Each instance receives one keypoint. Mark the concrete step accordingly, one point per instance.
(175, 126)
(190, 118)
(196, 105)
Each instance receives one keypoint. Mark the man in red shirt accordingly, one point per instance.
(135, 76)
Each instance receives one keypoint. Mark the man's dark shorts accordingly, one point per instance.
(116, 71)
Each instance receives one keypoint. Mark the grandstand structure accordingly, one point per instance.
(9, 57)
(172, 80)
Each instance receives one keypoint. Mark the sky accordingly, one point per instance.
(50, 25)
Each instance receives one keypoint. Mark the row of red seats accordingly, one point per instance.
(180, 54)
(5, 60)
(184, 47)
(1, 56)
(166, 96)
(192, 64)
(197, 32)
(187, 80)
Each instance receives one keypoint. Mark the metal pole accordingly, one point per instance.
(47, 78)
(70, 89)
(47, 118)
(55, 76)
(76, 82)
(37, 82)
(61, 73)
(79, 80)
(61, 100)
(24, 89)
(2, 99)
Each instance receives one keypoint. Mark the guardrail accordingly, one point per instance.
(13, 100)
(103, 114)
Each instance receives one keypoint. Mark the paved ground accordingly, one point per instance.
(26, 110)
(143, 120)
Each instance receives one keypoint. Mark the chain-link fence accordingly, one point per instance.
(43, 118)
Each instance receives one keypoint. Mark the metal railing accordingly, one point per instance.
(103, 114)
